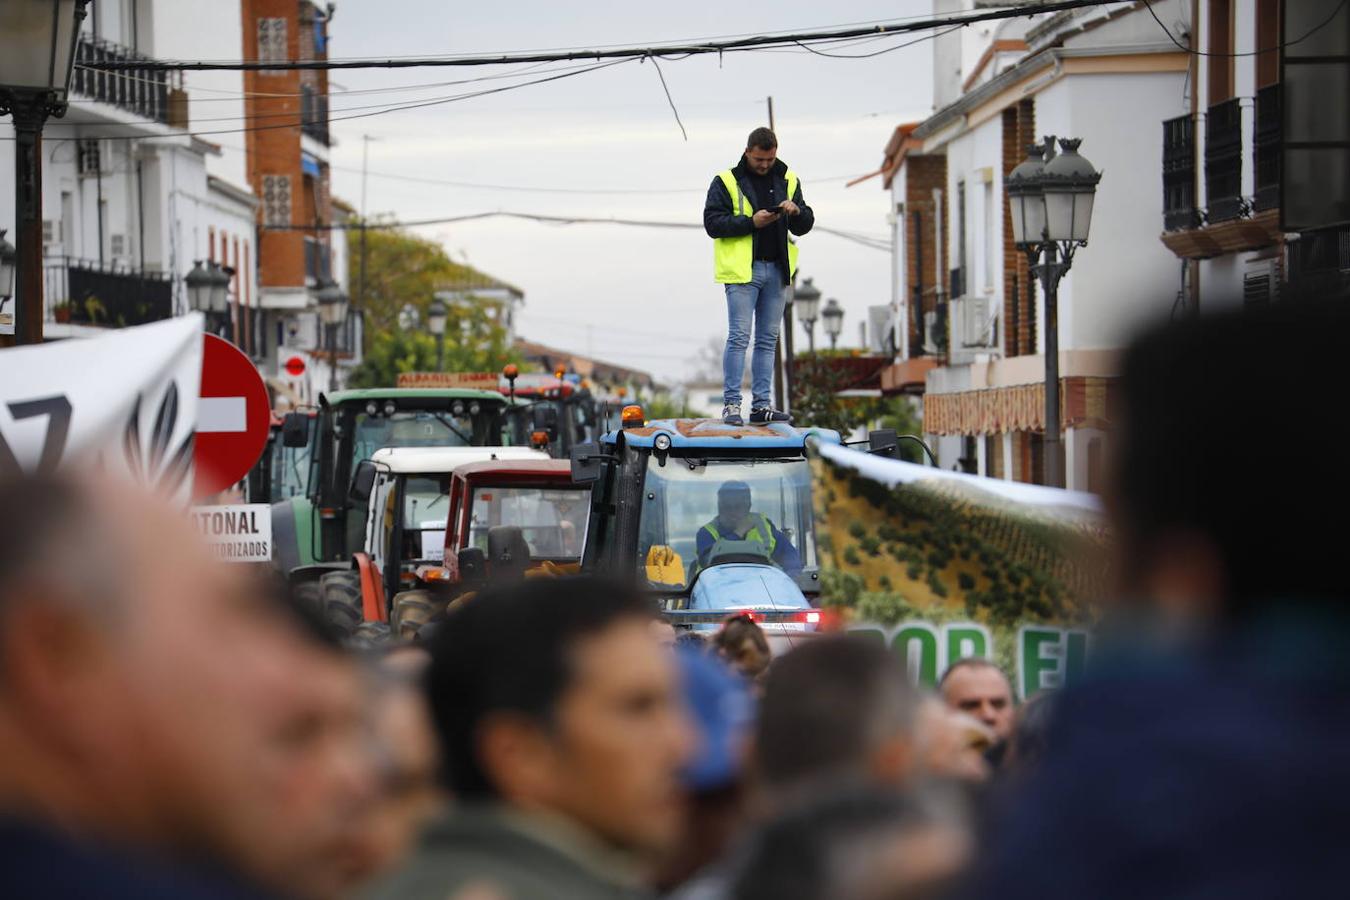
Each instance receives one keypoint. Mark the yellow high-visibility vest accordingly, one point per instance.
(760, 533)
(734, 258)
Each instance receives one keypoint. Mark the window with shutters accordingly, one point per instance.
(276, 200)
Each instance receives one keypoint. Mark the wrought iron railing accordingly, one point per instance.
(139, 91)
(1267, 148)
(1178, 169)
(85, 292)
(1223, 162)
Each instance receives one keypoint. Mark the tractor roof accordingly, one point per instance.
(439, 460)
(713, 434)
(517, 469)
(364, 394)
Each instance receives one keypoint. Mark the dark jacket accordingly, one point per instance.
(1219, 776)
(720, 219)
(36, 861)
(518, 856)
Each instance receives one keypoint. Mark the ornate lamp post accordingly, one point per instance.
(833, 316)
(807, 301)
(37, 54)
(332, 313)
(208, 288)
(1050, 197)
(436, 317)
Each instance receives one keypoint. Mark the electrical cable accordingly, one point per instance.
(1316, 28)
(381, 225)
(754, 42)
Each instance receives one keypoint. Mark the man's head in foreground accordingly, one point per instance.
(1209, 514)
(761, 150)
(154, 697)
(979, 688)
(836, 707)
(554, 696)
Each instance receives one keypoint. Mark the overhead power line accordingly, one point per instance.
(875, 243)
(734, 45)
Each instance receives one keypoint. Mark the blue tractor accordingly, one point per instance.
(714, 520)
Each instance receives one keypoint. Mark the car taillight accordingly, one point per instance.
(810, 617)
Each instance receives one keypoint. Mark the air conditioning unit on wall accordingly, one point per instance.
(1261, 282)
(977, 322)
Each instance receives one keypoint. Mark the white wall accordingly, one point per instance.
(206, 29)
(1125, 276)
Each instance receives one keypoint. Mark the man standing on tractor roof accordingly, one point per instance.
(749, 211)
(735, 522)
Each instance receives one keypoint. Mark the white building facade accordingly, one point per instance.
(970, 317)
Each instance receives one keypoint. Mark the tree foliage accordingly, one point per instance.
(406, 270)
(816, 401)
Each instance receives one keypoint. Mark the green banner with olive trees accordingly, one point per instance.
(941, 566)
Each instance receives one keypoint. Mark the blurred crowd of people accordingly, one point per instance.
(175, 727)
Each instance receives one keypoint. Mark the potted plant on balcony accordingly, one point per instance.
(94, 310)
(61, 312)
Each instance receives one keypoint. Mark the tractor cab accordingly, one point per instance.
(323, 524)
(554, 412)
(712, 519)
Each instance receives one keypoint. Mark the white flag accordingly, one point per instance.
(126, 401)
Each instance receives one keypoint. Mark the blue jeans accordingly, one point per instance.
(761, 297)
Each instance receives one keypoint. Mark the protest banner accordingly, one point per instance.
(125, 401)
(942, 565)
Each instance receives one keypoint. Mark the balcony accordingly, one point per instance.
(318, 262)
(314, 114)
(1179, 174)
(143, 93)
(1267, 148)
(83, 292)
(1223, 162)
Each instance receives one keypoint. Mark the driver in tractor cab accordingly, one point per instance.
(736, 522)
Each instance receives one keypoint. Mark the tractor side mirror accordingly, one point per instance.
(586, 463)
(363, 482)
(472, 564)
(295, 430)
(883, 442)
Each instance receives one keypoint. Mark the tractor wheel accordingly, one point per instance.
(410, 611)
(342, 604)
(309, 595)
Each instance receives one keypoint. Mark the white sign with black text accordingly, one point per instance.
(240, 532)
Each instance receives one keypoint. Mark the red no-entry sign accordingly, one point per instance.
(233, 416)
(295, 367)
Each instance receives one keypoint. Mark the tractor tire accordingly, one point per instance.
(309, 595)
(342, 605)
(415, 606)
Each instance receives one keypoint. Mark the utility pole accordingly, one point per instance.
(780, 397)
(361, 279)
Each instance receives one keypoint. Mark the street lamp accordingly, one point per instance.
(332, 313)
(807, 300)
(208, 288)
(408, 317)
(37, 54)
(436, 316)
(1050, 198)
(833, 316)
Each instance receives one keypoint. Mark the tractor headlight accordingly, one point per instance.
(474, 408)
(372, 408)
(390, 407)
(662, 442)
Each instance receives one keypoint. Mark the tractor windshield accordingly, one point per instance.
(552, 520)
(414, 428)
(697, 513)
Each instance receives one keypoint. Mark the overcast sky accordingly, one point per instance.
(640, 297)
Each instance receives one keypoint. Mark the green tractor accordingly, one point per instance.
(318, 530)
